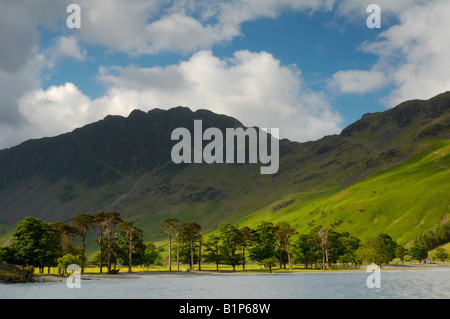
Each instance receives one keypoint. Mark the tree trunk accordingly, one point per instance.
(178, 252)
(83, 249)
(101, 258)
(281, 256)
(100, 241)
(200, 255)
(192, 255)
(323, 233)
(289, 254)
(130, 250)
(109, 251)
(170, 250)
(323, 258)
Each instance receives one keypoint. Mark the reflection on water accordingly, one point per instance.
(394, 284)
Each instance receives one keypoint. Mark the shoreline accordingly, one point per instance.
(148, 274)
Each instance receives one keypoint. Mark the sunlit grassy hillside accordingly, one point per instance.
(403, 201)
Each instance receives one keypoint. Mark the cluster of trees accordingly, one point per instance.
(271, 244)
(436, 237)
(39, 244)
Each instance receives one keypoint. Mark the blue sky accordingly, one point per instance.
(309, 68)
(311, 43)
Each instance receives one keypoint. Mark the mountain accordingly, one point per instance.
(387, 171)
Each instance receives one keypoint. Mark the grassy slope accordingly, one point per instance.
(432, 253)
(402, 201)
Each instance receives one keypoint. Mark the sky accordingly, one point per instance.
(309, 68)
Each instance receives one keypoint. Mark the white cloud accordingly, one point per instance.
(19, 21)
(413, 54)
(419, 36)
(181, 33)
(149, 27)
(246, 86)
(13, 85)
(119, 25)
(421, 39)
(358, 81)
(140, 27)
(253, 87)
(64, 47)
(57, 109)
(21, 62)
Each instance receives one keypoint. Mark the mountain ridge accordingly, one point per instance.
(123, 163)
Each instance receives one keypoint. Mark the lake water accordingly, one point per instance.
(430, 284)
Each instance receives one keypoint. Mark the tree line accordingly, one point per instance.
(271, 244)
(39, 244)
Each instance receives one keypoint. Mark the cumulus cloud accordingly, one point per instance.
(64, 47)
(19, 21)
(20, 60)
(138, 27)
(146, 27)
(412, 54)
(14, 85)
(421, 39)
(57, 109)
(149, 27)
(253, 87)
(358, 81)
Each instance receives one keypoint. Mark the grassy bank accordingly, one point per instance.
(211, 269)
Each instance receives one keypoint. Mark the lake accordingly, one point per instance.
(411, 284)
